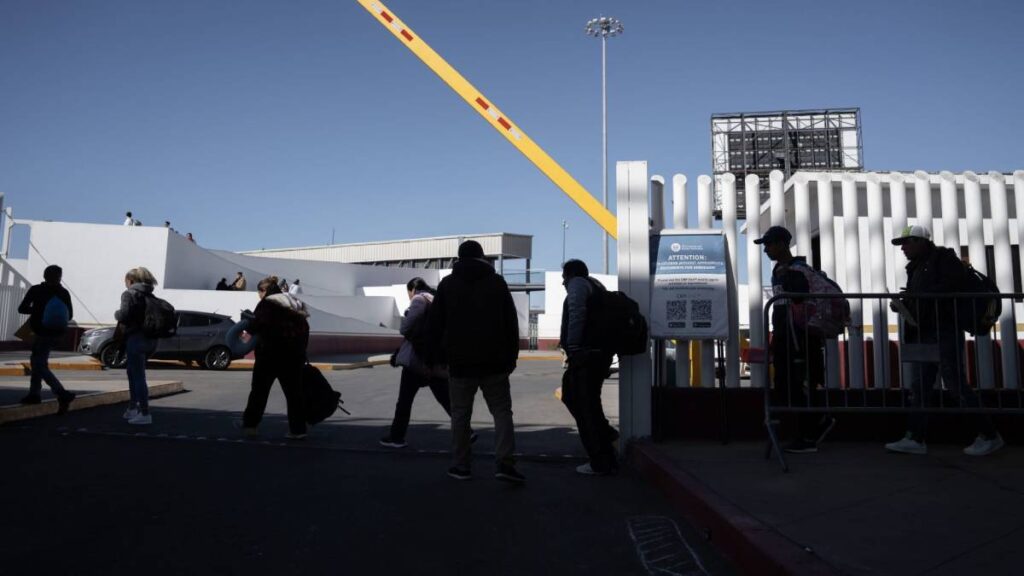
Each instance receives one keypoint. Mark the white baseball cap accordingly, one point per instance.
(915, 231)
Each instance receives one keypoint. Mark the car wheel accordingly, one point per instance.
(113, 356)
(217, 358)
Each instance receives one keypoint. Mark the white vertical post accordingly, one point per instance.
(802, 211)
(898, 205)
(657, 225)
(827, 247)
(755, 280)
(705, 198)
(732, 355)
(976, 253)
(851, 236)
(8, 226)
(679, 221)
(879, 308)
(634, 264)
(923, 200)
(1004, 275)
(776, 198)
(950, 211)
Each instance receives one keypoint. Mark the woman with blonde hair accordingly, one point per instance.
(280, 322)
(139, 283)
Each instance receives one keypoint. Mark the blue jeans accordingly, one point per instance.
(40, 362)
(137, 349)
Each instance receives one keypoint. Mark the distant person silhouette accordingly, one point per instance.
(239, 283)
(295, 290)
(223, 284)
(128, 220)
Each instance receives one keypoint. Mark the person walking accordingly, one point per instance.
(587, 367)
(474, 320)
(139, 283)
(936, 270)
(797, 354)
(296, 289)
(49, 308)
(416, 373)
(239, 283)
(280, 322)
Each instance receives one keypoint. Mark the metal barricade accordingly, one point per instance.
(934, 365)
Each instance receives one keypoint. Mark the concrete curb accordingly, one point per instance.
(17, 412)
(754, 547)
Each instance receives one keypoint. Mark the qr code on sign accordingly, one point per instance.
(701, 310)
(676, 311)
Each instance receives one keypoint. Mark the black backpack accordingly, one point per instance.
(158, 318)
(321, 400)
(614, 323)
(977, 316)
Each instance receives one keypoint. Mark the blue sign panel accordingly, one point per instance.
(689, 294)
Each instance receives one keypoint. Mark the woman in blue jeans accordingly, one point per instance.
(138, 347)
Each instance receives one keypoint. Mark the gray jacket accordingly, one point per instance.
(133, 307)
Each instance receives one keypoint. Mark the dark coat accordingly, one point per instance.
(475, 321)
(35, 302)
(937, 271)
(283, 331)
(786, 280)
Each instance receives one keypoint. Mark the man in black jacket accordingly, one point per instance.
(588, 366)
(49, 321)
(474, 321)
(932, 321)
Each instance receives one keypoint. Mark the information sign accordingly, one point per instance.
(689, 292)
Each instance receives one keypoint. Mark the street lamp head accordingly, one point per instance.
(603, 27)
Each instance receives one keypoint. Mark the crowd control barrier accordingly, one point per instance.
(882, 367)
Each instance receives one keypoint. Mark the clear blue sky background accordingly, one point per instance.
(268, 123)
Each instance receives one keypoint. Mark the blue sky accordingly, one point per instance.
(269, 123)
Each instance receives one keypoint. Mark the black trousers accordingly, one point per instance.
(581, 394)
(288, 370)
(799, 362)
(410, 384)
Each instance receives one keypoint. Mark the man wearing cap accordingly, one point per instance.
(474, 320)
(797, 356)
(933, 269)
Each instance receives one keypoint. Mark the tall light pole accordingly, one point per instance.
(604, 27)
(565, 226)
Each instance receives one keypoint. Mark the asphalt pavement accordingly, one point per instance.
(85, 493)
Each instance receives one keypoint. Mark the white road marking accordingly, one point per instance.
(662, 548)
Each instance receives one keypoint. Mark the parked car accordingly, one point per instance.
(201, 337)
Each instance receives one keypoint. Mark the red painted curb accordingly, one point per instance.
(751, 545)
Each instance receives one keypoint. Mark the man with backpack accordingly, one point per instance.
(49, 308)
(588, 366)
(474, 320)
(933, 270)
(797, 352)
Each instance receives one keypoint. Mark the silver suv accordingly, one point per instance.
(201, 337)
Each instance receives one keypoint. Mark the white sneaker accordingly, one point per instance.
(141, 419)
(907, 445)
(984, 446)
(588, 470)
(130, 413)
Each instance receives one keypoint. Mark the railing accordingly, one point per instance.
(849, 373)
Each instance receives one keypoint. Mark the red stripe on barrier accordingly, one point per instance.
(483, 104)
(407, 35)
(387, 16)
(504, 123)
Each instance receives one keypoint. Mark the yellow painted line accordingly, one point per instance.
(13, 370)
(495, 117)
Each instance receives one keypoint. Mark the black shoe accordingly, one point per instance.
(459, 473)
(64, 401)
(390, 442)
(509, 474)
(824, 427)
(801, 447)
(30, 399)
